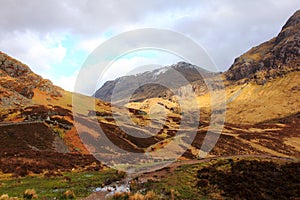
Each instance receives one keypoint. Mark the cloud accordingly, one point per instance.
(68, 82)
(229, 28)
(36, 31)
(40, 53)
(89, 44)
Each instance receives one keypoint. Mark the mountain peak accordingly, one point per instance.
(152, 84)
(183, 64)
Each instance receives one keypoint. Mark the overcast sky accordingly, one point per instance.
(54, 37)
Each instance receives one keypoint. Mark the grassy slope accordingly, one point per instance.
(257, 103)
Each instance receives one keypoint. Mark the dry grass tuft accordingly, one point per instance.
(30, 194)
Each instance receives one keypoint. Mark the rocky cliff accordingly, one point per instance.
(18, 82)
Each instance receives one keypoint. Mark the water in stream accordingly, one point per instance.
(116, 187)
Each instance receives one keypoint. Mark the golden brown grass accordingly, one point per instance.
(30, 194)
(294, 142)
(257, 103)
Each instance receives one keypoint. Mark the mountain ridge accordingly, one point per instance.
(157, 83)
(270, 59)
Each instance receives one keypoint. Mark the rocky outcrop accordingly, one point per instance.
(270, 59)
(12, 67)
(18, 78)
(10, 99)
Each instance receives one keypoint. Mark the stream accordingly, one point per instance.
(118, 186)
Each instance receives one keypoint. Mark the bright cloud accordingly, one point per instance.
(67, 82)
(40, 53)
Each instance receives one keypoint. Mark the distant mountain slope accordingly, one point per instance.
(270, 59)
(154, 83)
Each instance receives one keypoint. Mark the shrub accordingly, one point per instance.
(30, 194)
(137, 196)
(261, 77)
(150, 195)
(20, 172)
(4, 197)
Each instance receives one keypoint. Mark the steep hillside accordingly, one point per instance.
(264, 82)
(26, 98)
(253, 103)
(37, 130)
(30, 136)
(18, 83)
(272, 58)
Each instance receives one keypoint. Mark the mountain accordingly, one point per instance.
(272, 58)
(262, 98)
(38, 133)
(156, 83)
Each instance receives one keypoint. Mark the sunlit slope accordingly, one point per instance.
(252, 103)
